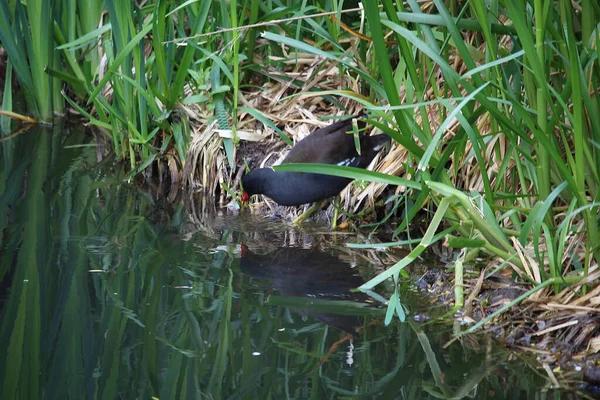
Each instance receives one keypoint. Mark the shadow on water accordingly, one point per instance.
(108, 292)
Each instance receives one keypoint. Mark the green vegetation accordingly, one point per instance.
(493, 106)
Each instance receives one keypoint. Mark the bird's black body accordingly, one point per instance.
(333, 144)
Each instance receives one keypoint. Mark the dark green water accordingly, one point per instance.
(109, 293)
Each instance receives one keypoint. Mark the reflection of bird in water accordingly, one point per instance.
(308, 273)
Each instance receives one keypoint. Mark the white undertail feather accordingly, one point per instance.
(347, 162)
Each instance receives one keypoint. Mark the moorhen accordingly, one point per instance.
(333, 144)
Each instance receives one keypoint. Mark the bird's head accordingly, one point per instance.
(249, 187)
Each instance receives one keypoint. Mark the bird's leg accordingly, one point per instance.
(314, 207)
(336, 209)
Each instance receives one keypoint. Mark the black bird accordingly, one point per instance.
(333, 144)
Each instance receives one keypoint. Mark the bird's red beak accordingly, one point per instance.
(245, 198)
